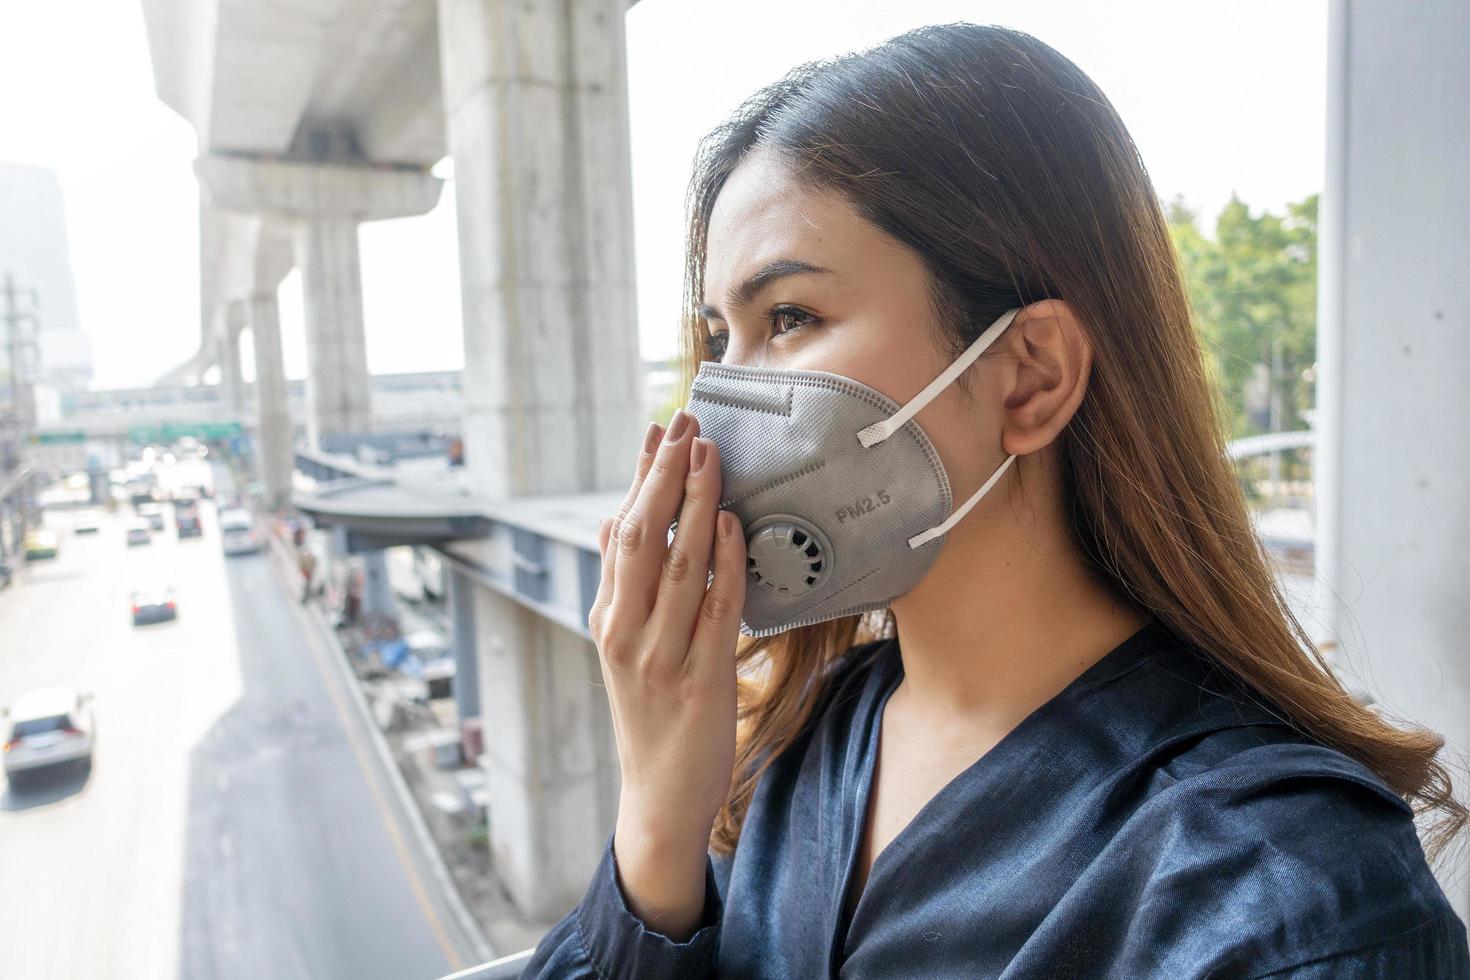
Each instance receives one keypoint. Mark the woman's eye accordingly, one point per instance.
(715, 345)
(789, 317)
(783, 320)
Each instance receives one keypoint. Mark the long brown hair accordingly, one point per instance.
(1010, 174)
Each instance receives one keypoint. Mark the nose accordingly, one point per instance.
(752, 356)
(740, 355)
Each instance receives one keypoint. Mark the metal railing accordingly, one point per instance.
(505, 968)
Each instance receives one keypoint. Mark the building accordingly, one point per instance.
(34, 250)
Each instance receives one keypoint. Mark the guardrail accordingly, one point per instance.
(505, 968)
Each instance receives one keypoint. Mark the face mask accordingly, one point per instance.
(842, 496)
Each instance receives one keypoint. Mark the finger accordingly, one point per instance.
(718, 628)
(607, 527)
(652, 437)
(604, 548)
(600, 622)
(643, 533)
(652, 441)
(686, 566)
(604, 532)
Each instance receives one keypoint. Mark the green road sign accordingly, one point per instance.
(173, 431)
(59, 438)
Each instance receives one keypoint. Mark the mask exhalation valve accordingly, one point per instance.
(786, 555)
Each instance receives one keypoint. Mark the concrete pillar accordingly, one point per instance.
(1393, 463)
(550, 758)
(462, 640)
(338, 399)
(377, 594)
(229, 320)
(273, 416)
(535, 102)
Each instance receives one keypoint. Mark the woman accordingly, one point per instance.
(1020, 697)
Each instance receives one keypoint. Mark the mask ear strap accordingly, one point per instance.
(939, 530)
(878, 431)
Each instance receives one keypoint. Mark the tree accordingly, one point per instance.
(1253, 288)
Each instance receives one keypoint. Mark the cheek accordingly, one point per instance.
(886, 359)
(966, 434)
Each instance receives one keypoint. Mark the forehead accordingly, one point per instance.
(763, 213)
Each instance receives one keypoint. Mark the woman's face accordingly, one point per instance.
(868, 316)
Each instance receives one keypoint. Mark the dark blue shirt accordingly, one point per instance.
(1153, 819)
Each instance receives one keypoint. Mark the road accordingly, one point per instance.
(236, 822)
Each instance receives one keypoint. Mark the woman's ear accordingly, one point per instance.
(1049, 359)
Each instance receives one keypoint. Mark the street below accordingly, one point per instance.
(235, 821)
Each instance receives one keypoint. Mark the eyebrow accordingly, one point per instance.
(743, 295)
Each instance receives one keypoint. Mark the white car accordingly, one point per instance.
(237, 532)
(139, 532)
(86, 522)
(47, 728)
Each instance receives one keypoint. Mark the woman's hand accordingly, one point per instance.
(666, 633)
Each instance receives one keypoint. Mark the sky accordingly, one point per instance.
(1220, 98)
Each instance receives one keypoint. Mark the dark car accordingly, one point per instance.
(186, 518)
(154, 606)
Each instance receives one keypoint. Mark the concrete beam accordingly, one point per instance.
(249, 76)
(308, 191)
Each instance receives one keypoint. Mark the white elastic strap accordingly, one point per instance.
(939, 530)
(879, 431)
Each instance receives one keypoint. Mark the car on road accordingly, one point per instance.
(41, 544)
(186, 518)
(47, 728)
(238, 534)
(154, 605)
(153, 514)
(139, 531)
(86, 522)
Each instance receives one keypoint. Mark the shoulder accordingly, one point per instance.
(1281, 853)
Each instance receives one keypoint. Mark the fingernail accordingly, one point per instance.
(697, 455)
(677, 425)
(650, 438)
(726, 524)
